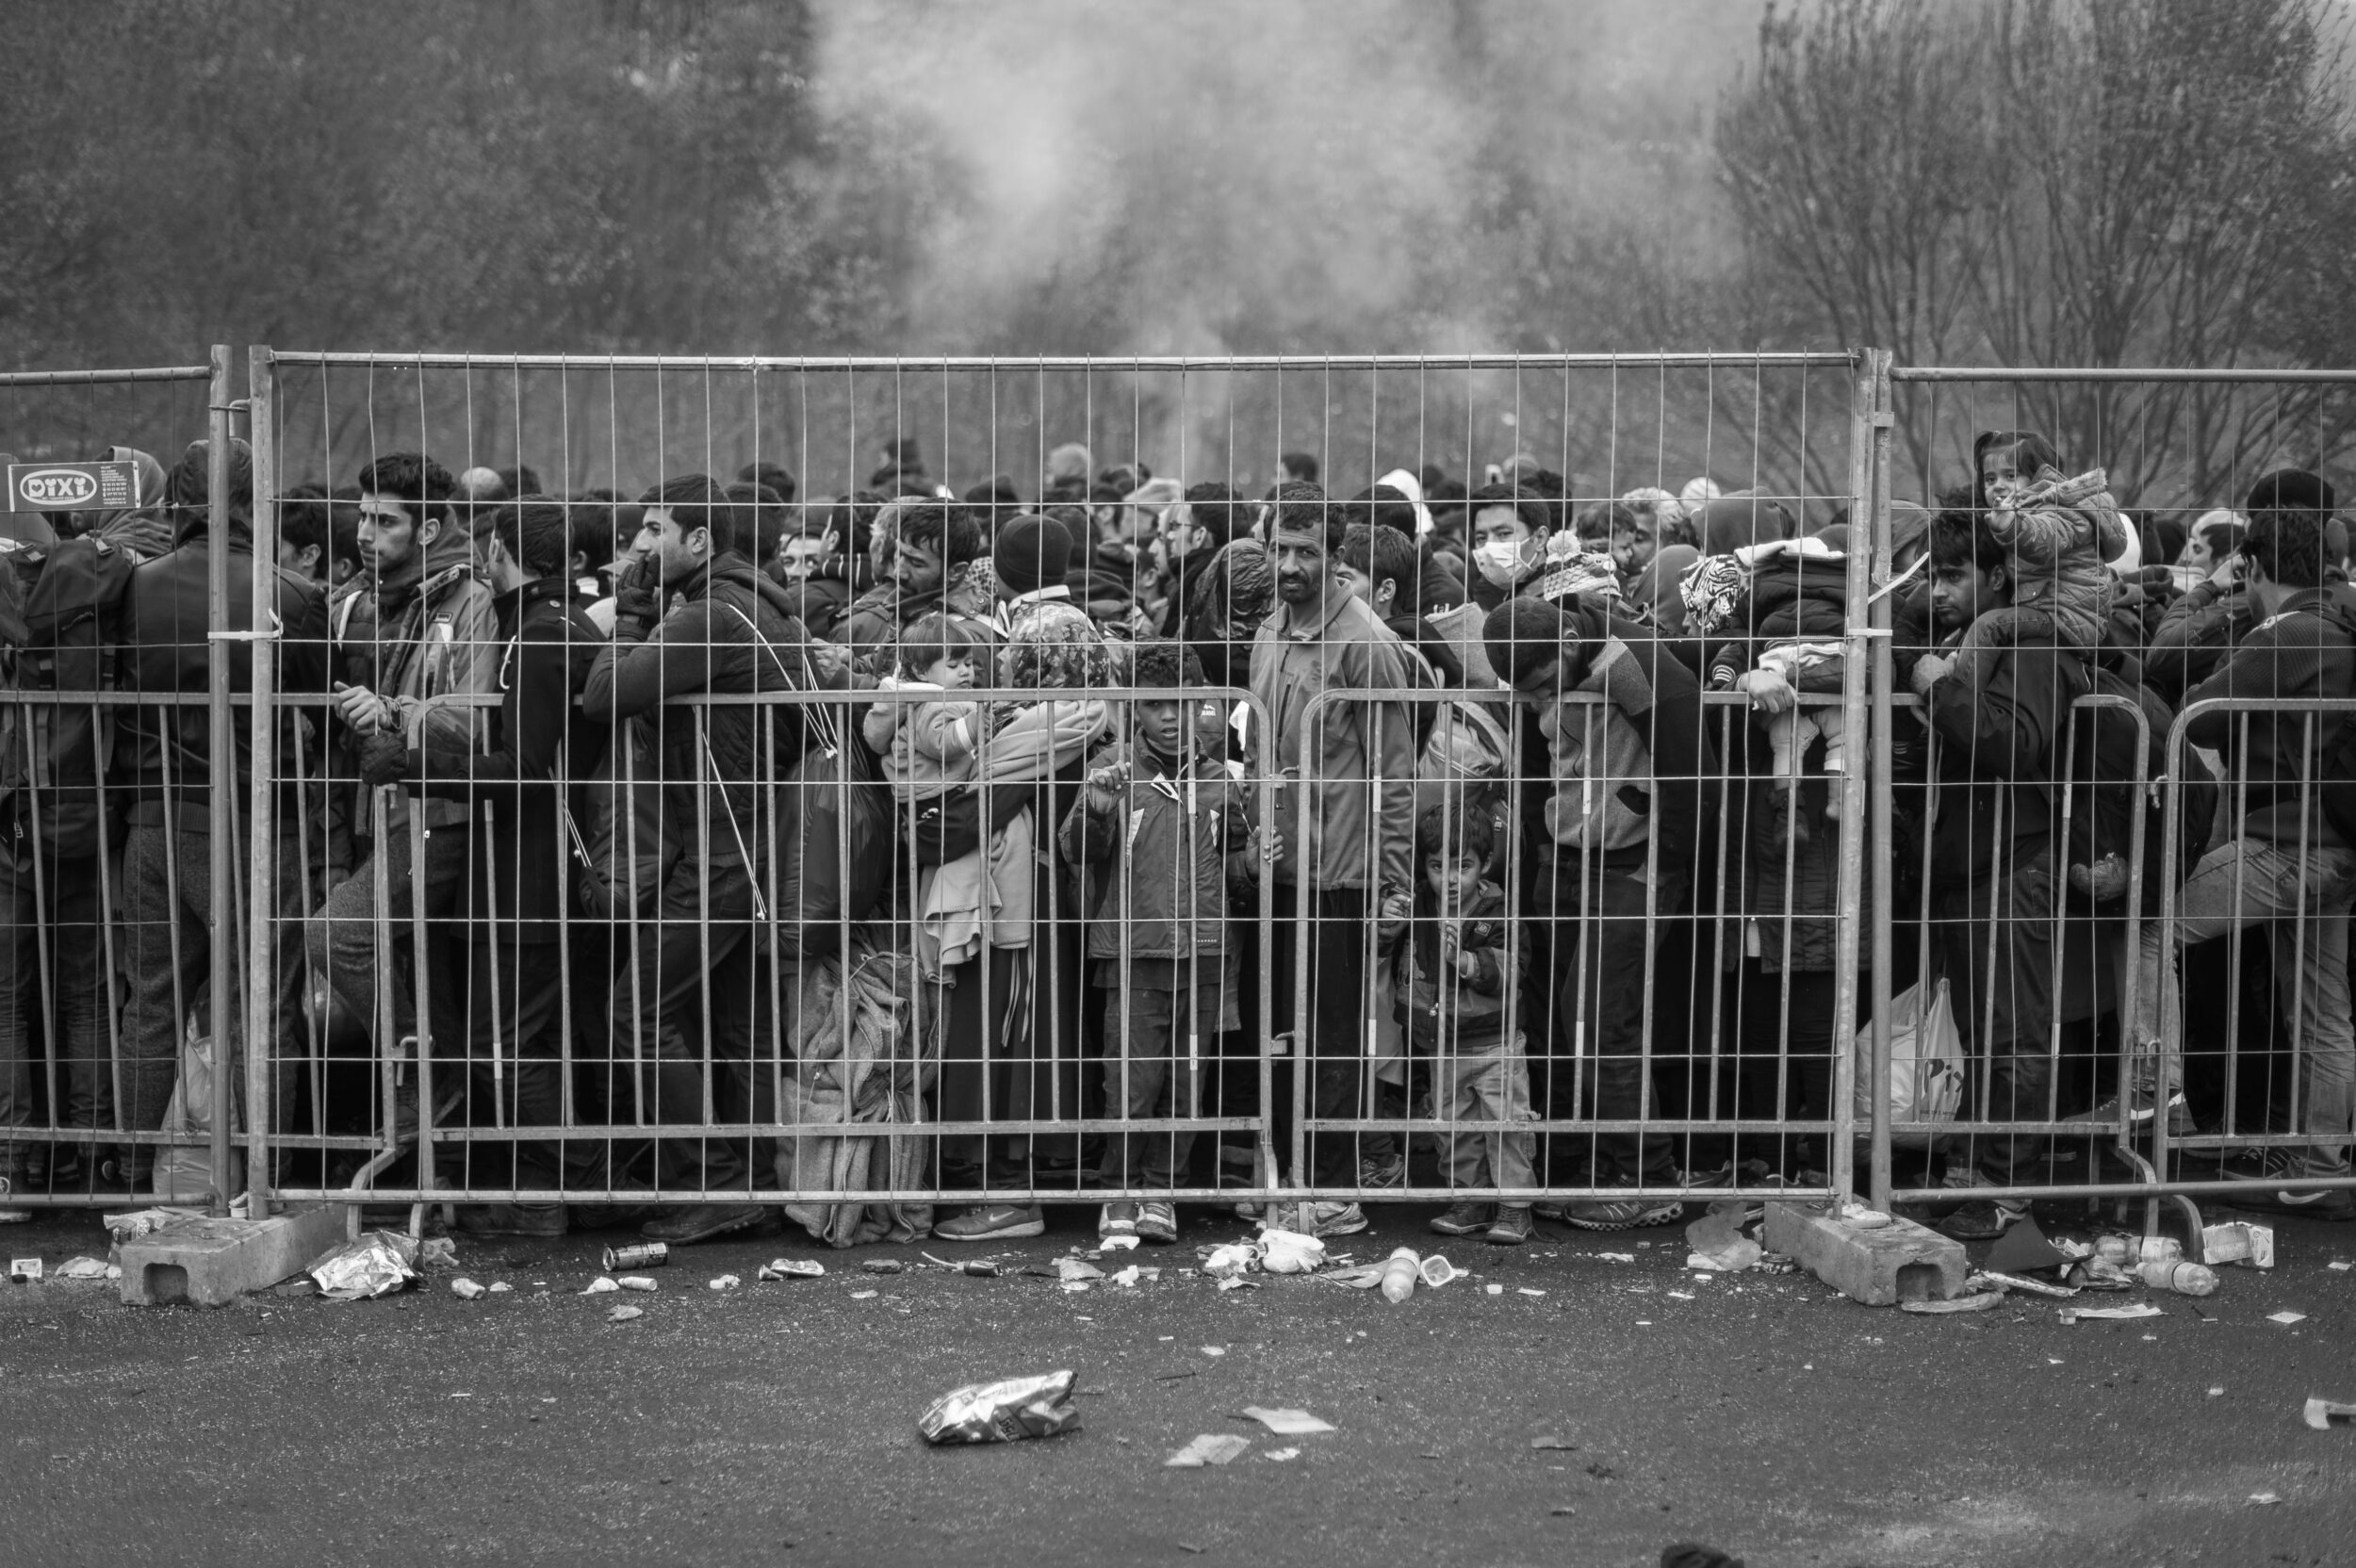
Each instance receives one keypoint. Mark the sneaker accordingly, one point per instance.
(2142, 1110)
(1464, 1219)
(993, 1222)
(1549, 1211)
(1332, 1219)
(1986, 1219)
(702, 1222)
(1158, 1222)
(2270, 1165)
(513, 1219)
(1117, 1219)
(1247, 1211)
(1621, 1214)
(1390, 1171)
(1512, 1228)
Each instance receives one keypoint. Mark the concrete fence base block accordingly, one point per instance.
(210, 1262)
(1898, 1261)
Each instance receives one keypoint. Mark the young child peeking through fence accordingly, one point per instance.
(1160, 829)
(1459, 971)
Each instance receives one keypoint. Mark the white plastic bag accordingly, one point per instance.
(1925, 1063)
(184, 1167)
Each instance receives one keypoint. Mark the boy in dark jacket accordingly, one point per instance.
(1162, 825)
(1459, 972)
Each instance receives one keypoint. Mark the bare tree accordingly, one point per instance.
(2073, 183)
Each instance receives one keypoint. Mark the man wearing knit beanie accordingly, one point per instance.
(1356, 762)
(2292, 860)
(1032, 557)
(1629, 759)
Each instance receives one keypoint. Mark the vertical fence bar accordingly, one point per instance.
(1864, 410)
(1883, 907)
(261, 988)
(219, 796)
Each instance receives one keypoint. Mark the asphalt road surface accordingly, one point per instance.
(776, 1423)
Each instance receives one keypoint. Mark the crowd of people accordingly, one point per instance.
(1506, 823)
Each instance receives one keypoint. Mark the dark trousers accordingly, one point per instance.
(1992, 939)
(1605, 933)
(70, 994)
(168, 945)
(687, 996)
(514, 1049)
(1334, 1034)
(1155, 1057)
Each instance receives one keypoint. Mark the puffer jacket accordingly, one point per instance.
(2061, 534)
(1159, 860)
(1443, 1008)
(732, 632)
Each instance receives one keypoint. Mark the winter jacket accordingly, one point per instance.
(1634, 760)
(536, 745)
(2000, 748)
(2304, 649)
(166, 650)
(1359, 767)
(2196, 633)
(1443, 1008)
(429, 632)
(1158, 862)
(732, 633)
(2061, 535)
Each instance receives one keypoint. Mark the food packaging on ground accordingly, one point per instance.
(1003, 1412)
(375, 1262)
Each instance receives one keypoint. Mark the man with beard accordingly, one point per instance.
(1357, 764)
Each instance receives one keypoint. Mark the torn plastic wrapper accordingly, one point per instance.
(2013, 1282)
(1290, 1252)
(1717, 1244)
(2071, 1315)
(2238, 1241)
(1005, 1412)
(1230, 1259)
(1979, 1302)
(793, 1269)
(375, 1262)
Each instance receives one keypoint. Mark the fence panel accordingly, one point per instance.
(113, 831)
(2047, 800)
(650, 1092)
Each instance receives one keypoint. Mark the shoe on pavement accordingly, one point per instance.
(702, 1222)
(1388, 1172)
(993, 1222)
(1621, 1214)
(1464, 1219)
(2142, 1110)
(1247, 1211)
(1984, 1218)
(2273, 1166)
(1332, 1219)
(1512, 1228)
(1157, 1221)
(513, 1219)
(1117, 1219)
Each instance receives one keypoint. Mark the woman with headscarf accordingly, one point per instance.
(1012, 951)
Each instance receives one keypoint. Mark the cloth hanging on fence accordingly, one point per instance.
(866, 1052)
(977, 900)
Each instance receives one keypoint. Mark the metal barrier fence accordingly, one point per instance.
(101, 967)
(824, 932)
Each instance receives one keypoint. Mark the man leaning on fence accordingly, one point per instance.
(534, 744)
(167, 761)
(695, 616)
(2290, 868)
(417, 626)
(1354, 763)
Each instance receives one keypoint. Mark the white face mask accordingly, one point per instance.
(1500, 563)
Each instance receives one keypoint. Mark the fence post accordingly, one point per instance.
(1842, 1169)
(261, 988)
(1883, 906)
(220, 802)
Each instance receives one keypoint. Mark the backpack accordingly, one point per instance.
(60, 615)
(1464, 766)
(2102, 803)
